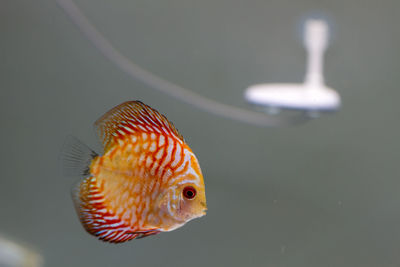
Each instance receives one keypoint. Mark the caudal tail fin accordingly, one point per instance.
(76, 157)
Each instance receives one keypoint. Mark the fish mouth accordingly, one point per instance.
(204, 211)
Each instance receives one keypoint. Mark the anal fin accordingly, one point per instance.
(94, 215)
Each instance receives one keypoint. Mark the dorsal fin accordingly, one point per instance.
(132, 117)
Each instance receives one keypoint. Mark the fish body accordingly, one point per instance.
(147, 181)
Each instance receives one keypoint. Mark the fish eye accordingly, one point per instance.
(189, 192)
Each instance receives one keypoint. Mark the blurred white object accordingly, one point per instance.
(15, 255)
(312, 95)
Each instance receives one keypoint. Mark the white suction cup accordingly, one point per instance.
(312, 95)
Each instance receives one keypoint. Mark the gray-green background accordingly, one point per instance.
(325, 193)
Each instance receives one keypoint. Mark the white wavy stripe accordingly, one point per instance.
(177, 156)
(187, 155)
(167, 158)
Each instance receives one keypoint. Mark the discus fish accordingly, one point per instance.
(147, 181)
